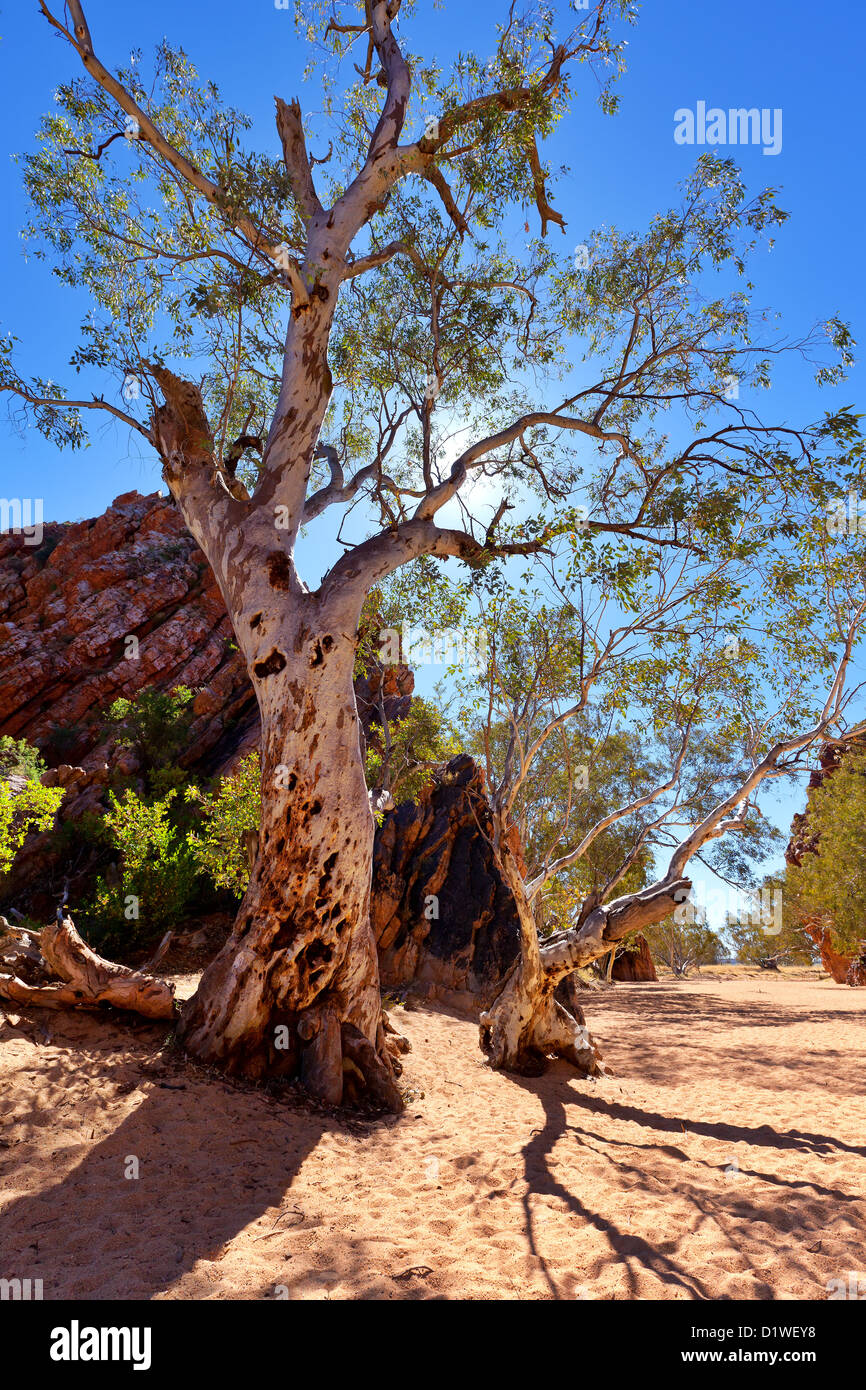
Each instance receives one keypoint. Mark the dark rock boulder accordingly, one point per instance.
(443, 918)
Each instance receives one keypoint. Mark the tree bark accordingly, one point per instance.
(299, 977)
(525, 1024)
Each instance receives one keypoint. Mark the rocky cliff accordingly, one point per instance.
(103, 608)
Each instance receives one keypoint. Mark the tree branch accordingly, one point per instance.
(291, 133)
(253, 234)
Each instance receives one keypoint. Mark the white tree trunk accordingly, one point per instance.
(525, 1023)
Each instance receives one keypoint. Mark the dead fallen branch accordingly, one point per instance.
(55, 969)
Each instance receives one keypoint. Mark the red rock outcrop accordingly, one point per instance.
(68, 609)
(836, 965)
(635, 967)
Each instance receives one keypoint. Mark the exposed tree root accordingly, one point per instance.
(341, 1067)
(361, 1062)
(55, 969)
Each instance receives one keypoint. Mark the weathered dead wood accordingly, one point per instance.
(83, 980)
(159, 954)
(19, 948)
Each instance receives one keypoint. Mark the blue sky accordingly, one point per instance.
(784, 54)
(787, 54)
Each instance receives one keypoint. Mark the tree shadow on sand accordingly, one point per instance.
(206, 1170)
(803, 1206)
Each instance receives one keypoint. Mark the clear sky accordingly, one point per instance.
(794, 56)
(790, 54)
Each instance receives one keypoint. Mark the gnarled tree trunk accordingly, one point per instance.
(295, 990)
(297, 984)
(525, 1024)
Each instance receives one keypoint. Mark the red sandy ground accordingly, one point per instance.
(725, 1159)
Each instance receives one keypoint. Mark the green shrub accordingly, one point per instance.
(18, 758)
(235, 807)
(156, 878)
(830, 885)
(155, 724)
(22, 812)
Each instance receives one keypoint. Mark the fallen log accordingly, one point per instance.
(83, 980)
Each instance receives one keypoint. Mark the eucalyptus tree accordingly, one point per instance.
(353, 335)
(734, 666)
(825, 888)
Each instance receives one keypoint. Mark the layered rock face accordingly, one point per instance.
(102, 609)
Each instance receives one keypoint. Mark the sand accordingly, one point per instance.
(725, 1159)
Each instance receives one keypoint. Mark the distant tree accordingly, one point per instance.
(684, 944)
(713, 737)
(829, 885)
(767, 930)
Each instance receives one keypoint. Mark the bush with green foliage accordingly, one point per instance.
(155, 724)
(18, 758)
(156, 878)
(31, 808)
(225, 815)
(406, 752)
(831, 884)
